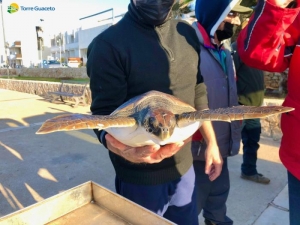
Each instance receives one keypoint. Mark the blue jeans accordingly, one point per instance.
(212, 195)
(250, 137)
(294, 199)
(175, 200)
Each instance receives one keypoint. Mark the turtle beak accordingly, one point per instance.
(165, 133)
(167, 127)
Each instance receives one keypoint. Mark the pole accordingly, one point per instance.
(41, 47)
(4, 40)
(60, 50)
(41, 53)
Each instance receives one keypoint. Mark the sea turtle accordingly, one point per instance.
(155, 118)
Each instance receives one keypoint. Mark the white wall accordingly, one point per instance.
(30, 53)
(86, 36)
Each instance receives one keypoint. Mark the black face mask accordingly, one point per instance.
(226, 33)
(155, 12)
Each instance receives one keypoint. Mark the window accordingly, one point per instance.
(71, 38)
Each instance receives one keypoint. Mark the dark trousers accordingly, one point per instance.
(175, 201)
(212, 196)
(250, 137)
(294, 199)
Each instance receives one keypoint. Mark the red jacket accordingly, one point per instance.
(271, 42)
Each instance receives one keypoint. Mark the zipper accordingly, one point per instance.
(220, 65)
(165, 48)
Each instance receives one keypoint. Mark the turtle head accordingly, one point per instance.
(160, 123)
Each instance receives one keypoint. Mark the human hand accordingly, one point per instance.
(168, 150)
(144, 154)
(280, 3)
(214, 162)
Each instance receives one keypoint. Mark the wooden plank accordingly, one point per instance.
(86, 204)
(52, 208)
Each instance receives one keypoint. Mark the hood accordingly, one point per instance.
(211, 13)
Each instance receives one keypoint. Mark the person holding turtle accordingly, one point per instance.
(148, 50)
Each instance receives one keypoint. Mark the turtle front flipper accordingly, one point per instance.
(232, 113)
(81, 121)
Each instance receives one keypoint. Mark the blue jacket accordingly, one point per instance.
(219, 76)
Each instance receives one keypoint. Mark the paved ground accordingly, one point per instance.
(35, 167)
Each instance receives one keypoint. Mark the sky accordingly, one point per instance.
(65, 16)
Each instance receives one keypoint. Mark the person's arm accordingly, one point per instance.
(264, 42)
(107, 80)
(213, 158)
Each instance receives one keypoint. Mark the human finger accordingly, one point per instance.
(167, 151)
(215, 171)
(140, 154)
(111, 141)
(132, 154)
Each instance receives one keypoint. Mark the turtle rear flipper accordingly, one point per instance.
(232, 113)
(81, 121)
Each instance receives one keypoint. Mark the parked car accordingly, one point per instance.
(4, 66)
(65, 65)
(51, 64)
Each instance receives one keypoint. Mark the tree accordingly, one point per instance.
(181, 7)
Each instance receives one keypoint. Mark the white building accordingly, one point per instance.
(74, 43)
(61, 46)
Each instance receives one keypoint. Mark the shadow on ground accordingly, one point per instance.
(35, 167)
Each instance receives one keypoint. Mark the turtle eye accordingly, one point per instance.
(149, 130)
(151, 124)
